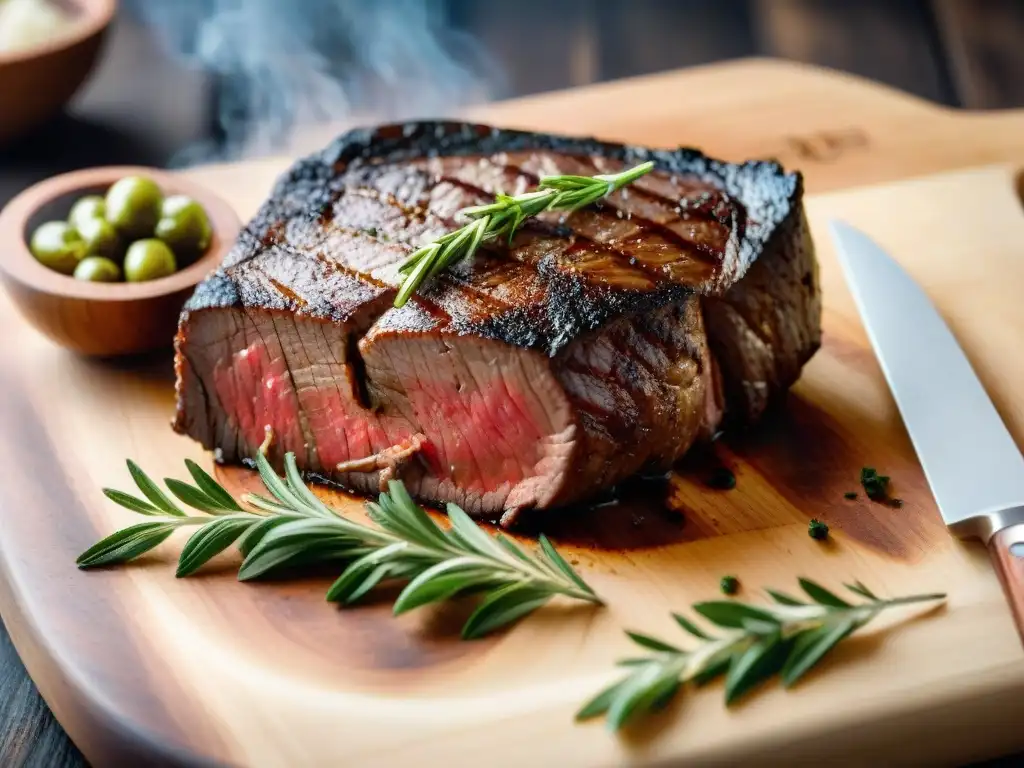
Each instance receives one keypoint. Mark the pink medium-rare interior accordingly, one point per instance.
(501, 433)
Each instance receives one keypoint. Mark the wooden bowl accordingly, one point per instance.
(37, 81)
(103, 319)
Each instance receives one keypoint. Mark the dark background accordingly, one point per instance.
(144, 106)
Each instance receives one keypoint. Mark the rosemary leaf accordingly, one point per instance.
(270, 506)
(513, 548)
(503, 217)
(560, 563)
(130, 502)
(152, 492)
(194, 497)
(763, 659)
(819, 594)
(255, 534)
(411, 517)
(126, 544)
(471, 536)
(293, 527)
(816, 643)
(368, 571)
(209, 541)
(726, 613)
(277, 487)
(786, 638)
(645, 687)
(443, 581)
(600, 703)
(383, 572)
(759, 627)
(651, 643)
(301, 491)
(504, 606)
(211, 487)
(782, 598)
(716, 666)
(690, 627)
(859, 589)
(298, 542)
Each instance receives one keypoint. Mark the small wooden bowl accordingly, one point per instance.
(37, 81)
(102, 319)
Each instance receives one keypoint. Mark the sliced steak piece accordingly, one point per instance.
(544, 370)
(510, 427)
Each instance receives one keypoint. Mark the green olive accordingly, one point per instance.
(184, 225)
(57, 245)
(97, 269)
(100, 238)
(148, 260)
(133, 205)
(85, 209)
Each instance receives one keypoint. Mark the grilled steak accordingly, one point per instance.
(592, 346)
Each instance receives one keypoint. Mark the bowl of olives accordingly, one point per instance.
(102, 260)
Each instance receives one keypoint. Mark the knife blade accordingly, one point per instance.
(973, 465)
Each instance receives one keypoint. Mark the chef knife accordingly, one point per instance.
(973, 466)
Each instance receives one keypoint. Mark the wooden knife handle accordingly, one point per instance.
(1007, 550)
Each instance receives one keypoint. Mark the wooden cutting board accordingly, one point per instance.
(141, 668)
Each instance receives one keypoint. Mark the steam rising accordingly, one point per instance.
(292, 73)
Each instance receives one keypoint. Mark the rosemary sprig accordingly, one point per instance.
(293, 527)
(788, 638)
(504, 217)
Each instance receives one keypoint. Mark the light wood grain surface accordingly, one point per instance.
(138, 665)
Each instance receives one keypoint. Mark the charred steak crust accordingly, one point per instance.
(307, 191)
(543, 371)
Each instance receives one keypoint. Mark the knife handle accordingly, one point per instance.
(1006, 547)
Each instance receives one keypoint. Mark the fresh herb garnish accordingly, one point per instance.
(729, 585)
(504, 216)
(817, 529)
(722, 479)
(293, 527)
(850, 495)
(876, 486)
(787, 638)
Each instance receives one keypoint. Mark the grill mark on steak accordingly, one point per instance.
(621, 402)
(476, 191)
(539, 371)
(332, 265)
(488, 300)
(388, 198)
(488, 176)
(287, 293)
(577, 260)
(665, 209)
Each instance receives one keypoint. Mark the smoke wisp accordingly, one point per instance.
(291, 73)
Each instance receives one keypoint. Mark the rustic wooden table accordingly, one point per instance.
(143, 107)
